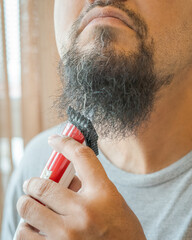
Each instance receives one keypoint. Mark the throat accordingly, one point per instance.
(125, 155)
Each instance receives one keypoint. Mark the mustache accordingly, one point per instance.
(139, 24)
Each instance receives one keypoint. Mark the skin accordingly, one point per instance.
(169, 25)
(167, 137)
(91, 213)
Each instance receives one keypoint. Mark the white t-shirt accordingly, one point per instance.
(162, 201)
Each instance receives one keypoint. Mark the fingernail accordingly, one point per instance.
(53, 139)
(25, 184)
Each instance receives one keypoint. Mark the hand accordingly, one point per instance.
(97, 211)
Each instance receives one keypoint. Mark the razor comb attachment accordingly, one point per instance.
(86, 128)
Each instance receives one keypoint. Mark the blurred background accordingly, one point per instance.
(28, 79)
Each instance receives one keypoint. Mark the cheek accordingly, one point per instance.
(170, 28)
(66, 12)
(173, 50)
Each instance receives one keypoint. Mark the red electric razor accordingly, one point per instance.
(81, 129)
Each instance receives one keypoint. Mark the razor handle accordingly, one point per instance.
(58, 166)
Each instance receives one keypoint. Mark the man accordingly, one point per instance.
(127, 65)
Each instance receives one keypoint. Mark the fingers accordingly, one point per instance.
(52, 195)
(27, 232)
(37, 215)
(87, 165)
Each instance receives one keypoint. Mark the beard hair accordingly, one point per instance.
(115, 89)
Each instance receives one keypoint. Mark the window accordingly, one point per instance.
(12, 37)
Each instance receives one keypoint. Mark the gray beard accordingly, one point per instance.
(116, 90)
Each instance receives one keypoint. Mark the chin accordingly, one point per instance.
(106, 38)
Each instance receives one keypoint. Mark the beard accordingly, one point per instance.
(115, 89)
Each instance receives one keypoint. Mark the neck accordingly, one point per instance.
(166, 138)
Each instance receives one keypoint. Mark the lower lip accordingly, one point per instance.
(107, 20)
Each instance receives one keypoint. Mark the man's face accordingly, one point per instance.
(169, 25)
(142, 53)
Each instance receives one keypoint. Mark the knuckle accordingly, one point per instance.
(93, 222)
(24, 205)
(82, 150)
(31, 185)
(65, 140)
(110, 189)
(43, 189)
